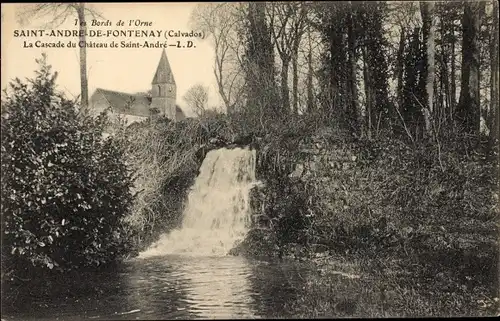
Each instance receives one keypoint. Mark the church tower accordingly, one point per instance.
(164, 90)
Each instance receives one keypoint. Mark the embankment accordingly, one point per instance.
(422, 217)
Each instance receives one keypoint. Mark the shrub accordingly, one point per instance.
(65, 187)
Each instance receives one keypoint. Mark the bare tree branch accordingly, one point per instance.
(197, 99)
(221, 21)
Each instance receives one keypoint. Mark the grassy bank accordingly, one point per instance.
(363, 290)
(420, 221)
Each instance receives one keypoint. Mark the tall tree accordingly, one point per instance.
(59, 13)
(309, 83)
(373, 39)
(449, 14)
(299, 27)
(428, 30)
(287, 24)
(259, 66)
(442, 41)
(329, 20)
(412, 92)
(353, 59)
(454, 12)
(468, 109)
(280, 14)
(494, 96)
(401, 20)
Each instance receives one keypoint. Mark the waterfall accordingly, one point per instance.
(217, 213)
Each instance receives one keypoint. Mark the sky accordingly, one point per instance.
(121, 69)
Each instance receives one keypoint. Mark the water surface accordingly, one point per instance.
(169, 287)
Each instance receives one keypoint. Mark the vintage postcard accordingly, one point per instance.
(220, 160)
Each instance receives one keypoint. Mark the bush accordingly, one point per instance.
(65, 188)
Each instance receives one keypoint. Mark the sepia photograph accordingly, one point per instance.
(248, 160)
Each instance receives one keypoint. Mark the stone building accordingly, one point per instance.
(161, 100)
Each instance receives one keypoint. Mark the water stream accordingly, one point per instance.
(217, 213)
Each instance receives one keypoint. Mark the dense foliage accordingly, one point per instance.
(65, 188)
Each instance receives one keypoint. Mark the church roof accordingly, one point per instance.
(129, 104)
(124, 103)
(163, 71)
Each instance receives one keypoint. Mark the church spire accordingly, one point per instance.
(163, 73)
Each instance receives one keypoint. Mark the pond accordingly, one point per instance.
(169, 287)
(186, 274)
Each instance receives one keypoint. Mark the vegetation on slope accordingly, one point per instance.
(423, 217)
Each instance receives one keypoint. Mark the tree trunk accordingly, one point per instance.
(368, 94)
(494, 103)
(262, 95)
(446, 88)
(310, 98)
(438, 101)
(453, 81)
(443, 74)
(220, 86)
(468, 109)
(446, 79)
(333, 81)
(353, 90)
(295, 75)
(285, 94)
(83, 58)
(445, 92)
(427, 11)
(399, 68)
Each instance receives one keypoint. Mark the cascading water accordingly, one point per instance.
(217, 213)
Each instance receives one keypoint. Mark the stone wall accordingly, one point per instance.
(332, 168)
(324, 180)
(321, 160)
